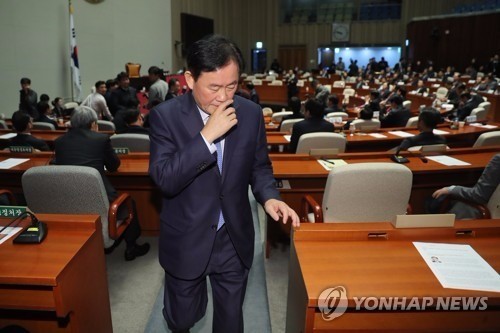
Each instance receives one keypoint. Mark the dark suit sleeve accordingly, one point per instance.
(294, 141)
(485, 186)
(111, 160)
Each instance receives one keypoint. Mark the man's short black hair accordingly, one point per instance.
(366, 113)
(131, 115)
(430, 117)
(333, 99)
(398, 100)
(121, 76)
(43, 107)
(250, 85)
(315, 107)
(211, 53)
(44, 98)
(111, 82)
(294, 104)
(155, 70)
(172, 82)
(20, 121)
(99, 83)
(25, 80)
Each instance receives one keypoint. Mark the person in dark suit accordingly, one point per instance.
(23, 124)
(469, 103)
(83, 145)
(207, 147)
(428, 119)
(44, 111)
(28, 99)
(397, 116)
(295, 106)
(312, 123)
(174, 87)
(135, 122)
(124, 96)
(480, 193)
(332, 104)
(254, 96)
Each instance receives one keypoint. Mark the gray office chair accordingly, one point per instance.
(343, 115)
(67, 189)
(106, 125)
(277, 117)
(361, 192)
(412, 122)
(366, 125)
(134, 142)
(39, 125)
(488, 139)
(320, 140)
(480, 113)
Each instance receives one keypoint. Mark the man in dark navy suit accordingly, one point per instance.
(207, 147)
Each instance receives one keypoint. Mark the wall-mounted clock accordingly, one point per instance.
(94, 1)
(340, 32)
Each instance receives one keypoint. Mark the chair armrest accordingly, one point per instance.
(9, 195)
(485, 212)
(307, 204)
(114, 230)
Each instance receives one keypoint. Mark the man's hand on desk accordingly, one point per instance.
(278, 209)
(441, 192)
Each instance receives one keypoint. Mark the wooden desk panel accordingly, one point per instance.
(391, 267)
(58, 285)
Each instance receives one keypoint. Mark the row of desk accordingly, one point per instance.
(304, 173)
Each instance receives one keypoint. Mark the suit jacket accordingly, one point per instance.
(396, 118)
(422, 139)
(311, 125)
(470, 105)
(194, 191)
(134, 129)
(88, 148)
(29, 140)
(480, 193)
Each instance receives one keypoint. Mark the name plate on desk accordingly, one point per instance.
(424, 221)
(21, 149)
(11, 211)
(121, 151)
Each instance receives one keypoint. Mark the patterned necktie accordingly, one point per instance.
(219, 165)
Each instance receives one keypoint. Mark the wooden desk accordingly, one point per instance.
(338, 254)
(45, 135)
(59, 285)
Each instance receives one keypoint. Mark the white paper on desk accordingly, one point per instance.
(12, 162)
(447, 160)
(8, 135)
(483, 126)
(377, 135)
(8, 233)
(287, 137)
(331, 163)
(439, 132)
(401, 134)
(458, 266)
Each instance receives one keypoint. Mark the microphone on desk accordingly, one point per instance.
(34, 234)
(398, 158)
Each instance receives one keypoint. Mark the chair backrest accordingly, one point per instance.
(3, 124)
(344, 115)
(270, 78)
(412, 122)
(320, 140)
(39, 125)
(338, 84)
(366, 125)
(488, 139)
(133, 70)
(287, 124)
(349, 92)
(106, 125)
(494, 204)
(278, 116)
(407, 104)
(67, 189)
(267, 111)
(276, 83)
(366, 192)
(480, 113)
(441, 92)
(485, 105)
(134, 142)
(257, 82)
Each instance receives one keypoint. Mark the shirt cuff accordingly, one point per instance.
(211, 147)
(450, 188)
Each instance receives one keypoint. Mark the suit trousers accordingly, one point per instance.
(133, 230)
(185, 301)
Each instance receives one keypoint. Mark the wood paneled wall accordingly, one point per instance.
(247, 22)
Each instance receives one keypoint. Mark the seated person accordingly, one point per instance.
(468, 103)
(254, 96)
(374, 100)
(397, 116)
(135, 122)
(480, 193)
(44, 111)
(428, 119)
(119, 118)
(365, 118)
(58, 109)
(312, 123)
(295, 106)
(83, 145)
(332, 104)
(23, 124)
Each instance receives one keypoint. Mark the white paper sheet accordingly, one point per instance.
(12, 162)
(483, 126)
(401, 134)
(377, 135)
(8, 233)
(458, 266)
(439, 132)
(287, 137)
(447, 160)
(329, 164)
(8, 135)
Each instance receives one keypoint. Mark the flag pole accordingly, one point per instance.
(70, 51)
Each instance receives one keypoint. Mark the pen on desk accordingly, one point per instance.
(327, 161)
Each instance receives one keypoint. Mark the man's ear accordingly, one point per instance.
(189, 79)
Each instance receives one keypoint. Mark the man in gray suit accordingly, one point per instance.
(479, 193)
